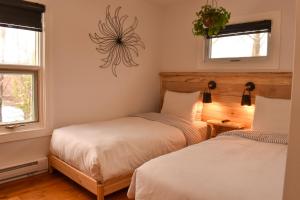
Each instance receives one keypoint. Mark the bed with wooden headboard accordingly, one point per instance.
(227, 96)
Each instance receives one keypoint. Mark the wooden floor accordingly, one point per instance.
(50, 187)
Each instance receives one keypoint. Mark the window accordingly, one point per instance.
(20, 62)
(238, 41)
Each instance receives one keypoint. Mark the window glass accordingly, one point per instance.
(19, 46)
(17, 96)
(239, 46)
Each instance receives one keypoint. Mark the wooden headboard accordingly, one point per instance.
(227, 96)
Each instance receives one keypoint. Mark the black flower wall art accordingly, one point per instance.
(119, 43)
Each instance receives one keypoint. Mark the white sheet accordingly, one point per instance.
(108, 149)
(224, 168)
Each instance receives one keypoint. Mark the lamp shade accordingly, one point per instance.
(207, 97)
(246, 100)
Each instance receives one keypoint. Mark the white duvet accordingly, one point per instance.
(224, 168)
(109, 149)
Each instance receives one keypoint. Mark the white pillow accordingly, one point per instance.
(180, 104)
(272, 115)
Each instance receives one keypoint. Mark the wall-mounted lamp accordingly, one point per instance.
(206, 94)
(246, 98)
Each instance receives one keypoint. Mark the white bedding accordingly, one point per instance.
(108, 149)
(224, 168)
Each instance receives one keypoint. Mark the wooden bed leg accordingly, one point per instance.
(50, 168)
(100, 192)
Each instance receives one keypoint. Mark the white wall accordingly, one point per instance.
(23, 151)
(78, 90)
(82, 91)
(184, 52)
(292, 183)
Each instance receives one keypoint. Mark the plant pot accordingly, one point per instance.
(208, 22)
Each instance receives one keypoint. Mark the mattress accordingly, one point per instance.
(227, 167)
(108, 149)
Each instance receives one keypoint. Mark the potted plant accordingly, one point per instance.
(210, 20)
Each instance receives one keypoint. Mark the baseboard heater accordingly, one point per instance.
(22, 170)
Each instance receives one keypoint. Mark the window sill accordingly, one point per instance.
(24, 134)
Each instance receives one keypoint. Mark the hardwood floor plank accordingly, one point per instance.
(50, 187)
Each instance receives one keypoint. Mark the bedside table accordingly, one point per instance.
(217, 127)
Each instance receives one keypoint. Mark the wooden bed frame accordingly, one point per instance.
(97, 188)
(227, 94)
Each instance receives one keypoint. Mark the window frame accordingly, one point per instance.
(208, 42)
(38, 77)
